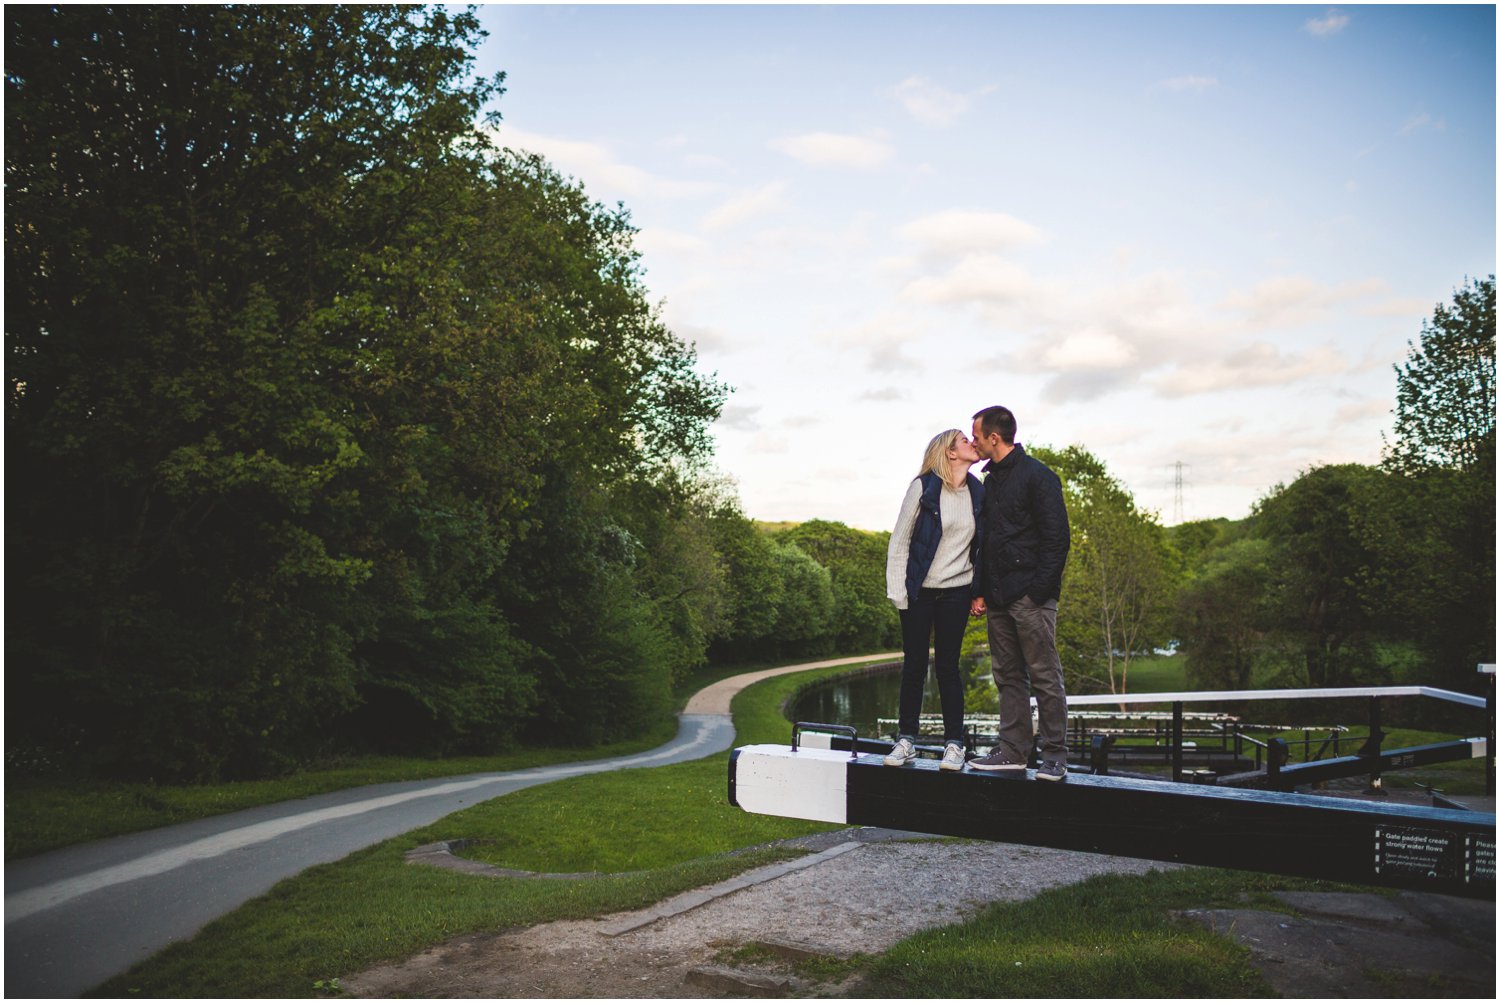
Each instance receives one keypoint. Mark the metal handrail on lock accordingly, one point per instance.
(841, 729)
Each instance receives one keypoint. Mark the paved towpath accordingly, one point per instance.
(80, 915)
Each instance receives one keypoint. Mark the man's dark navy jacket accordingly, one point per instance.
(1025, 530)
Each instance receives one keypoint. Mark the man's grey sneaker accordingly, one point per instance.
(903, 753)
(997, 760)
(953, 757)
(1052, 769)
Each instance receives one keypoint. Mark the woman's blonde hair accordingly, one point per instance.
(936, 457)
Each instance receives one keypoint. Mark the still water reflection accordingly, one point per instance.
(859, 701)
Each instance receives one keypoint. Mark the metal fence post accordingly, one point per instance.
(1277, 755)
(1489, 772)
(1372, 748)
(1177, 741)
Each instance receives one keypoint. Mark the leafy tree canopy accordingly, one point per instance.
(316, 399)
(1445, 393)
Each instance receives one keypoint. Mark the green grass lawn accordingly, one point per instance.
(1158, 674)
(48, 813)
(1111, 936)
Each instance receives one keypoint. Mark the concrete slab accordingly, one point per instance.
(679, 904)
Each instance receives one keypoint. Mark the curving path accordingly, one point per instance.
(80, 915)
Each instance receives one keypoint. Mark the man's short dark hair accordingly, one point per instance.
(998, 419)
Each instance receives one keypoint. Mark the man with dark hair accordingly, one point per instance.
(1025, 548)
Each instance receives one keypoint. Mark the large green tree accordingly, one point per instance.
(1445, 392)
(1361, 574)
(1120, 578)
(807, 616)
(327, 421)
(1438, 531)
(1324, 564)
(1223, 623)
(754, 593)
(864, 618)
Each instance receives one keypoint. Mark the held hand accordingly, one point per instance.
(977, 607)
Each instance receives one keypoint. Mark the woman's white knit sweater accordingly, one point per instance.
(951, 566)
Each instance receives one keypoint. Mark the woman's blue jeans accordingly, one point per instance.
(935, 616)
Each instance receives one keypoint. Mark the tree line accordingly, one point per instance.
(332, 426)
(1348, 575)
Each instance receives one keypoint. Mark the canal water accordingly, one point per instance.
(859, 701)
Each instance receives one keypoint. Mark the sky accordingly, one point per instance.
(1195, 236)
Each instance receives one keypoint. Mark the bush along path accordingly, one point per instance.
(80, 915)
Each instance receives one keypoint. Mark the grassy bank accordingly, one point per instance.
(372, 906)
(46, 813)
(1111, 936)
(50, 812)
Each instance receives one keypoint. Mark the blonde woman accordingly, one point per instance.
(930, 575)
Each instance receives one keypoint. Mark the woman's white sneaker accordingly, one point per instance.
(953, 757)
(903, 753)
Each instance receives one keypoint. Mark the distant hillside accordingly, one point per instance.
(1194, 538)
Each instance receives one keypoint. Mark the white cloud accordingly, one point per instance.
(883, 343)
(704, 339)
(883, 395)
(1187, 83)
(1362, 411)
(1290, 300)
(768, 445)
(1156, 305)
(961, 231)
(660, 240)
(1085, 385)
(894, 267)
(1090, 348)
(1106, 339)
(830, 149)
(1330, 23)
(600, 169)
(1257, 365)
(1408, 306)
(739, 416)
(888, 357)
(758, 203)
(980, 278)
(931, 103)
(1146, 332)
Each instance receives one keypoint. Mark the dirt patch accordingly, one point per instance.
(1345, 945)
(862, 901)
